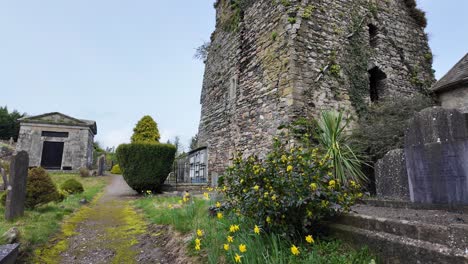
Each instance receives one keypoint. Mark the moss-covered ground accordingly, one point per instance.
(106, 231)
(37, 226)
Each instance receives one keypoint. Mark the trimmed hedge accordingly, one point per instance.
(145, 166)
(72, 186)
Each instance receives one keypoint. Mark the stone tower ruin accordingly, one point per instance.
(270, 62)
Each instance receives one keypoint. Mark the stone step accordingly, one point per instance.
(452, 235)
(399, 249)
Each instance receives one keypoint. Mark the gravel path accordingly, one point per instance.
(108, 231)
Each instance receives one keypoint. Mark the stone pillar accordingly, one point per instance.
(391, 178)
(101, 165)
(5, 178)
(436, 149)
(17, 186)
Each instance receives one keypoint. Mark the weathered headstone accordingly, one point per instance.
(391, 178)
(436, 149)
(9, 253)
(101, 165)
(4, 177)
(17, 185)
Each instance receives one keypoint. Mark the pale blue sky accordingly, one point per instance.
(114, 61)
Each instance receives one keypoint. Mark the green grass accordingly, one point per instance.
(37, 225)
(262, 248)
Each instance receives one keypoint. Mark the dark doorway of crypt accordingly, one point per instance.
(52, 153)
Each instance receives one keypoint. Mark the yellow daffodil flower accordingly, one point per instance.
(237, 258)
(309, 239)
(242, 248)
(256, 230)
(295, 250)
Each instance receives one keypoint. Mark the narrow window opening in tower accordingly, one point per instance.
(373, 31)
(377, 80)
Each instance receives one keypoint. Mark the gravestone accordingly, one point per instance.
(101, 165)
(391, 177)
(11, 142)
(17, 185)
(436, 149)
(4, 177)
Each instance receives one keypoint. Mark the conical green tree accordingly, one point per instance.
(146, 131)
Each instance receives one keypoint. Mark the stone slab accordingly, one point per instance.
(391, 178)
(9, 253)
(16, 196)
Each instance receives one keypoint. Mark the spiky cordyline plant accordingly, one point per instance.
(333, 137)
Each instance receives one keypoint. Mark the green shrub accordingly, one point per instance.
(289, 191)
(40, 189)
(72, 186)
(116, 169)
(145, 166)
(383, 127)
(416, 13)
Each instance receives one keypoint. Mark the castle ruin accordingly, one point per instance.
(270, 62)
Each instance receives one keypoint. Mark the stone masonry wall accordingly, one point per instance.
(77, 147)
(293, 60)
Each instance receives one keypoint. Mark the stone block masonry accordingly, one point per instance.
(271, 62)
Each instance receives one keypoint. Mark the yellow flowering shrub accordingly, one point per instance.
(290, 190)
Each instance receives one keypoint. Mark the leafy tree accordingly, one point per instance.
(194, 142)
(9, 126)
(146, 131)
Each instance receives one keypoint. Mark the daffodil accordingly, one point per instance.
(242, 248)
(226, 247)
(268, 219)
(230, 239)
(332, 183)
(219, 215)
(309, 239)
(295, 250)
(199, 232)
(256, 230)
(218, 204)
(197, 247)
(313, 186)
(289, 168)
(256, 187)
(206, 195)
(237, 258)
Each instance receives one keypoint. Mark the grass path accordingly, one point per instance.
(109, 230)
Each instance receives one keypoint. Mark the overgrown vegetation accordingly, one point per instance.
(38, 224)
(297, 186)
(382, 128)
(145, 166)
(233, 238)
(417, 14)
(201, 53)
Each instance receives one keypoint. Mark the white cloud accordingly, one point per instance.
(115, 137)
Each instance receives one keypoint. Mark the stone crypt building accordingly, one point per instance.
(56, 141)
